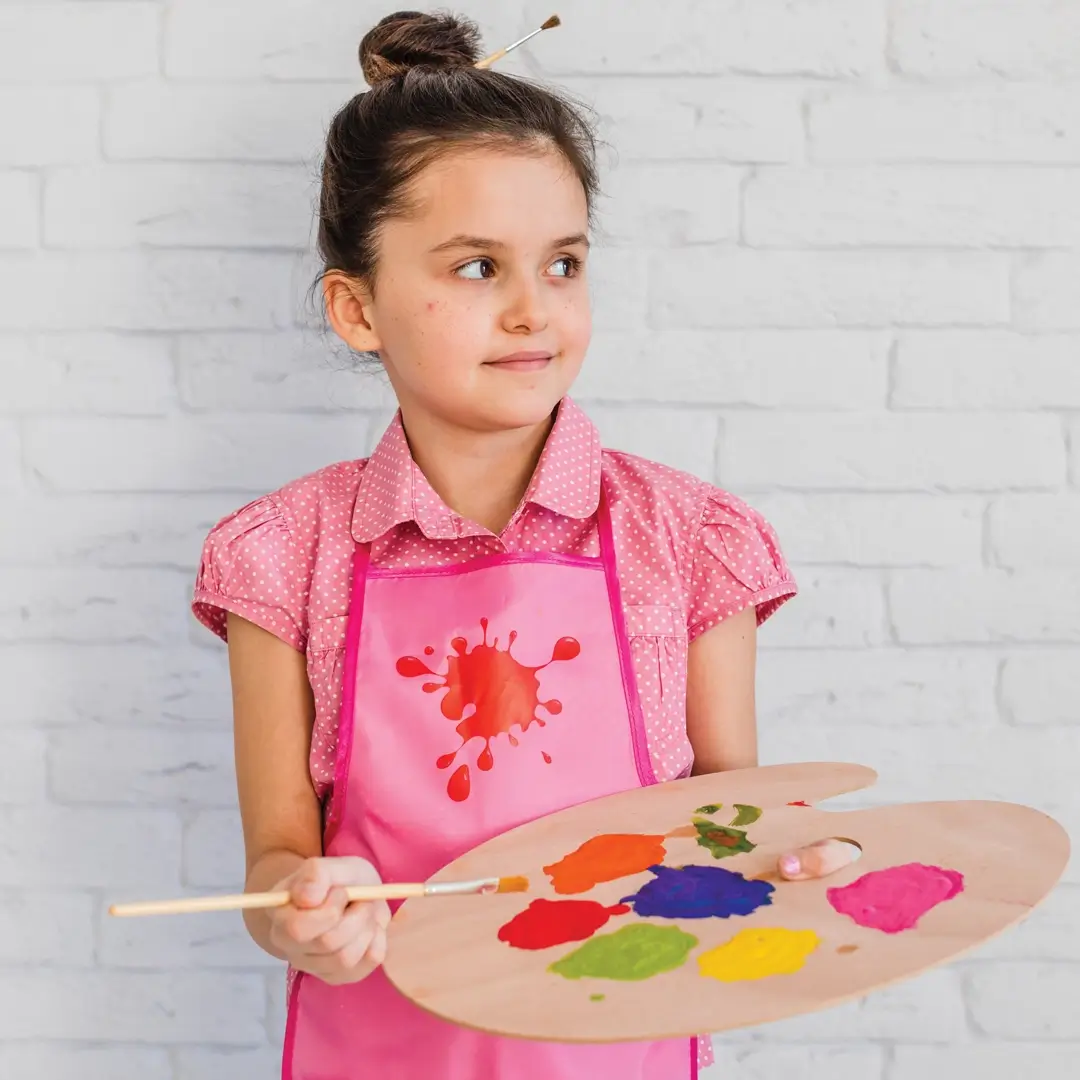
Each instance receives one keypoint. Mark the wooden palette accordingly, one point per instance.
(446, 956)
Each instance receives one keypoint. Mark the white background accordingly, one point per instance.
(840, 275)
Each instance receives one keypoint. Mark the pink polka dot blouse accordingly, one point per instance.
(688, 555)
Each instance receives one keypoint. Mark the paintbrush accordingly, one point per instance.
(401, 891)
(489, 60)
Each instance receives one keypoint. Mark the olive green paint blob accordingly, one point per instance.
(635, 952)
(596, 997)
(746, 815)
(709, 808)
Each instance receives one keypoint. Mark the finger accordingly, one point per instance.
(376, 953)
(303, 925)
(383, 914)
(817, 860)
(317, 876)
(357, 921)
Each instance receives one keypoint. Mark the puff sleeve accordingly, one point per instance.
(252, 567)
(737, 561)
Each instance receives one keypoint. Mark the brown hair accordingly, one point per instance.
(427, 99)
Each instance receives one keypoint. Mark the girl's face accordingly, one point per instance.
(481, 311)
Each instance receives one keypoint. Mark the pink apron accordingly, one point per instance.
(476, 697)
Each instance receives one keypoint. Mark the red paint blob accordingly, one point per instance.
(554, 922)
(546, 756)
(496, 691)
(799, 803)
(428, 650)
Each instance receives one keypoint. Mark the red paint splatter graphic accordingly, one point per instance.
(554, 922)
(502, 693)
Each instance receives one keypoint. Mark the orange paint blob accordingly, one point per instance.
(605, 858)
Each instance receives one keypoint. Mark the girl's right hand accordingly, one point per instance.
(320, 932)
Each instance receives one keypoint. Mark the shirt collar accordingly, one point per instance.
(393, 490)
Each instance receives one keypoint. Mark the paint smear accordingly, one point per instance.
(699, 892)
(758, 953)
(555, 922)
(897, 898)
(845, 949)
(798, 803)
(631, 954)
(709, 808)
(605, 858)
(721, 840)
(596, 997)
(746, 815)
(501, 692)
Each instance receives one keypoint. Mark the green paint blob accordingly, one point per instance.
(635, 952)
(746, 815)
(721, 840)
(709, 808)
(596, 997)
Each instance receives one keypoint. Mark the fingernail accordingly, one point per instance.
(789, 864)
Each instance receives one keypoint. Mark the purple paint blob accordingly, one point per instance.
(698, 892)
(897, 898)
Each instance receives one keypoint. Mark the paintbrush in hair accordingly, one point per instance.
(489, 60)
(403, 891)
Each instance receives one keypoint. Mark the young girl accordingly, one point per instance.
(486, 536)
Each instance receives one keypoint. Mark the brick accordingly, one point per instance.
(1035, 530)
(1046, 291)
(1011, 38)
(835, 609)
(805, 1062)
(179, 944)
(19, 201)
(282, 372)
(767, 37)
(1042, 687)
(1024, 1000)
(46, 928)
(620, 287)
(683, 440)
(89, 847)
(169, 121)
(715, 289)
(877, 688)
(111, 530)
(214, 851)
(673, 203)
(176, 684)
(918, 451)
(54, 125)
(1018, 123)
(869, 529)
(926, 1009)
(149, 290)
(189, 205)
(190, 454)
(736, 120)
(911, 206)
(820, 369)
(1051, 932)
(22, 766)
(94, 606)
(225, 1065)
(963, 369)
(954, 607)
(22, 1059)
(107, 373)
(10, 456)
(145, 768)
(78, 42)
(995, 1060)
(178, 1007)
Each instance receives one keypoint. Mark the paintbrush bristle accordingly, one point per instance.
(513, 884)
(551, 23)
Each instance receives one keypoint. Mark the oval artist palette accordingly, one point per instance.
(711, 938)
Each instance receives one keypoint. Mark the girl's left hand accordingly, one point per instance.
(817, 860)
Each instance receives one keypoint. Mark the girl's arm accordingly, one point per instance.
(721, 722)
(273, 713)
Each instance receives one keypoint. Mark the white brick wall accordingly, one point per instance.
(839, 274)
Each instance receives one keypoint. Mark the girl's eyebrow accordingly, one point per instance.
(463, 240)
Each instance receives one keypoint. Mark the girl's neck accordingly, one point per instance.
(483, 476)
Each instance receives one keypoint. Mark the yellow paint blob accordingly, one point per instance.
(758, 953)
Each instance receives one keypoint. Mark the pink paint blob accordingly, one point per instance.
(897, 898)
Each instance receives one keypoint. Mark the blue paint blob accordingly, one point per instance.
(698, 892)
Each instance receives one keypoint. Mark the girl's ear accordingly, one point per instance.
(350, 309)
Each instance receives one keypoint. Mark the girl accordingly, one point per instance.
(454, 226)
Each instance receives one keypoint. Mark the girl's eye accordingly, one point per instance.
(477, 270)
(570, 264)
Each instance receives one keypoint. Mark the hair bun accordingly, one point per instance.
(409, 39)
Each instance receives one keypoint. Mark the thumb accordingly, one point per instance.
(818, 860)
